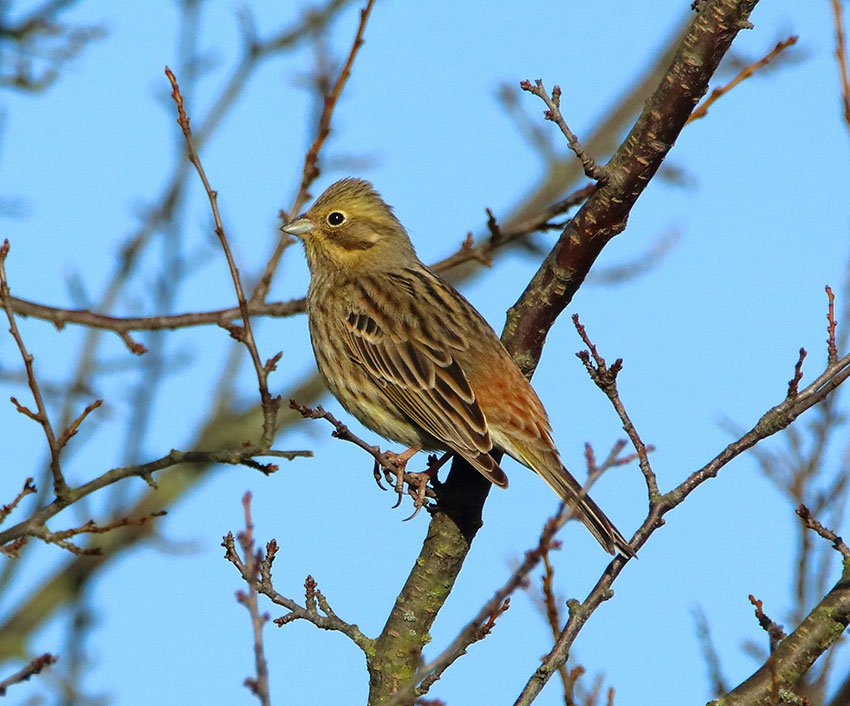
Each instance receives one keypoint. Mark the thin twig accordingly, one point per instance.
(841, 58)
(774, 630)
(327, 619)
(243, 334)
(252, 560)
(244, 455)
(7, 510)
(831, 346)
(123, 325)
(62, 537)
(311, 169)
(811, 523)
(483, 251)
(794, 382)
(553, 618)
(702, 109)
(60, 486)
(605, 378)
(384, 459)
(34, 667)
(553, 113)
(775, 633)
(474, 630)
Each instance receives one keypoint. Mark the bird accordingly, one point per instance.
(409, 357)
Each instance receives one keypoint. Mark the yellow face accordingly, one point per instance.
(349, 226)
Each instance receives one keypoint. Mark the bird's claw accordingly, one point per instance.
(420, 481)
(376, 474)
(393, 468)
(394, 471)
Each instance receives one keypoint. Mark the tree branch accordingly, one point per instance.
(796, 653)
(603, 215)
(35, 666)
(256, 570)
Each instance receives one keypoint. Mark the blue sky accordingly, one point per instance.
(711, 334)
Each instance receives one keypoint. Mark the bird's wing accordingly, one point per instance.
(421, 376)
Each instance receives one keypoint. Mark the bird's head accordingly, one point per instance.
(349, 227)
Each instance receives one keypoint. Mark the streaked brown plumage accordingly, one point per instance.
(411, 358)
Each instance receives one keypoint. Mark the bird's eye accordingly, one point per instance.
(335, 218)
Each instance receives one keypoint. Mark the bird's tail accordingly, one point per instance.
(583, 507)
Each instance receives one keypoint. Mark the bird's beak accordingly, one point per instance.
(299, 227)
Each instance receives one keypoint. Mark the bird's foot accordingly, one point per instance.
(395, 470)
(395, 473)
(417, 483)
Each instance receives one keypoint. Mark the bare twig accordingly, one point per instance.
(534, 133)
(831, 346)
(243, 334)
(61, 538)
(35, 524)
(794, 383)
(605, 378)
(841, 58)
(428, 674)
(250, 568)
(774, 630)
(501, 235)
(702, 109)
(311, 169)
(123, 325)
(225, 428)
(35, 666)
(553, 618)
(794, 655)
(260, 576)
(60, 486)
(811, 523)
(553, 113)
(775, 633)
(7, 510)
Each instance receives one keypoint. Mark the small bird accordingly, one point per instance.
(412, 359)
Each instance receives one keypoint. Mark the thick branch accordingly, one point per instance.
(795, 654)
